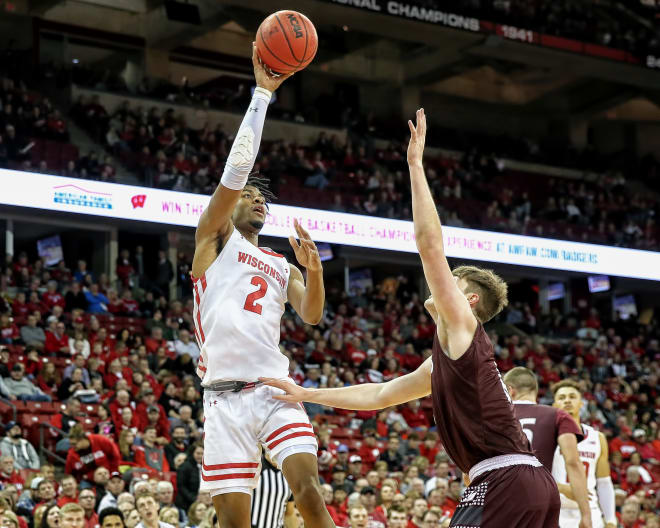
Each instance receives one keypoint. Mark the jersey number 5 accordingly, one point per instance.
(250, 301)
(528, 432)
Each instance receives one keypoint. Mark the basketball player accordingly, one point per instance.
(546, 428)
(240, 293)
(594, 457)
(474, 416)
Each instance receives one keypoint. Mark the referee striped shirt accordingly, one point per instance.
(269, 498)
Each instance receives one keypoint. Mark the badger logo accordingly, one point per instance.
(297, 29)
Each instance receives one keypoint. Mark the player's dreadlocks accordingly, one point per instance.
(261, 183)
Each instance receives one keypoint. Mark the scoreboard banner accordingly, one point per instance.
(409, 11)
(128, 202)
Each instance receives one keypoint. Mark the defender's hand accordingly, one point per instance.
(417, 139)
(262, 74)
(305, 249)
(294, 393)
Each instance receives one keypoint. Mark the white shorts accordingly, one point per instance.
(570, 518)
(237, 425)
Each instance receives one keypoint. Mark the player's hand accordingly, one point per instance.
(294, 393)
(417, 139)
(264, 77)
(305, 249)
(611, 525)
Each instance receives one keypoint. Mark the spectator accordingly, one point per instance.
(177, 445)
(184, 345)
(68, 490)
(97, 301)
(420, 507)
(22, 451)
(188, 477)
(75, 298)
(32, 335)
(630, 515)
(9, 474)
(391, 455)
(165, 495)
(87, 501)
(414, 416)
(187, 421)
(164, 274)
(18, 387)
(68, 417)
(50, 517)
(147, 507)
(114, 488)
(358, 517)
(111, 518)
(368, 500)
(78, 363)
(149, 454)
(57, 341)
(89, 451)
(70, 386)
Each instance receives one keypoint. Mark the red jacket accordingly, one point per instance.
(163, 425)
(415, 419)
(15, 479)
(54, 343)
(52, 299)
(103, 452)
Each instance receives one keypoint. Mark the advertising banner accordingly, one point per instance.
(111, 200)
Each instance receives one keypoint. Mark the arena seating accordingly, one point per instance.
(616, 362)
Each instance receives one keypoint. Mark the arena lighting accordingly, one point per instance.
(112, 200)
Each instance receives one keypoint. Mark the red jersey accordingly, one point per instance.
(473, 412)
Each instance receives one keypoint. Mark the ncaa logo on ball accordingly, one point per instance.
(295, 25)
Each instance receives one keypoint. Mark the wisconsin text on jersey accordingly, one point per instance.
(253, 261)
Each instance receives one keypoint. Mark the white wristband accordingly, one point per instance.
(262, 93)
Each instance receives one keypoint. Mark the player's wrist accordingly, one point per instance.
(263, 93)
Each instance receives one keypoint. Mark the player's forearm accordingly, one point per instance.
(365, 397)
(245, 147)
(578, 483)
(606, 499)
(428, 231)
(313, 299)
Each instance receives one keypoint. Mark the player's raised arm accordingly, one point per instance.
(450, 302)
(215, 221)
(365, 397)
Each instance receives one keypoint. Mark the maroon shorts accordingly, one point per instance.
(520, 496)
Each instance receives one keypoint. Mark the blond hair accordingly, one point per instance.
(522, 379)
(490, 287)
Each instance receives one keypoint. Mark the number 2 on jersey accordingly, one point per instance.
(250, 301)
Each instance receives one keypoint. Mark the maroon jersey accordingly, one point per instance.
(473, 412)
(543, 425)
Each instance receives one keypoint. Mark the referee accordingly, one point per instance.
(270, 497)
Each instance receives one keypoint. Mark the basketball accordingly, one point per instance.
(287, 41)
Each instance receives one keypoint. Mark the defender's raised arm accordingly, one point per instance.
(450, 302)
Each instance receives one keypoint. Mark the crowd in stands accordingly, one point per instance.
(108, 368)
(475, 191)
(631, 26)
(33, 133)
